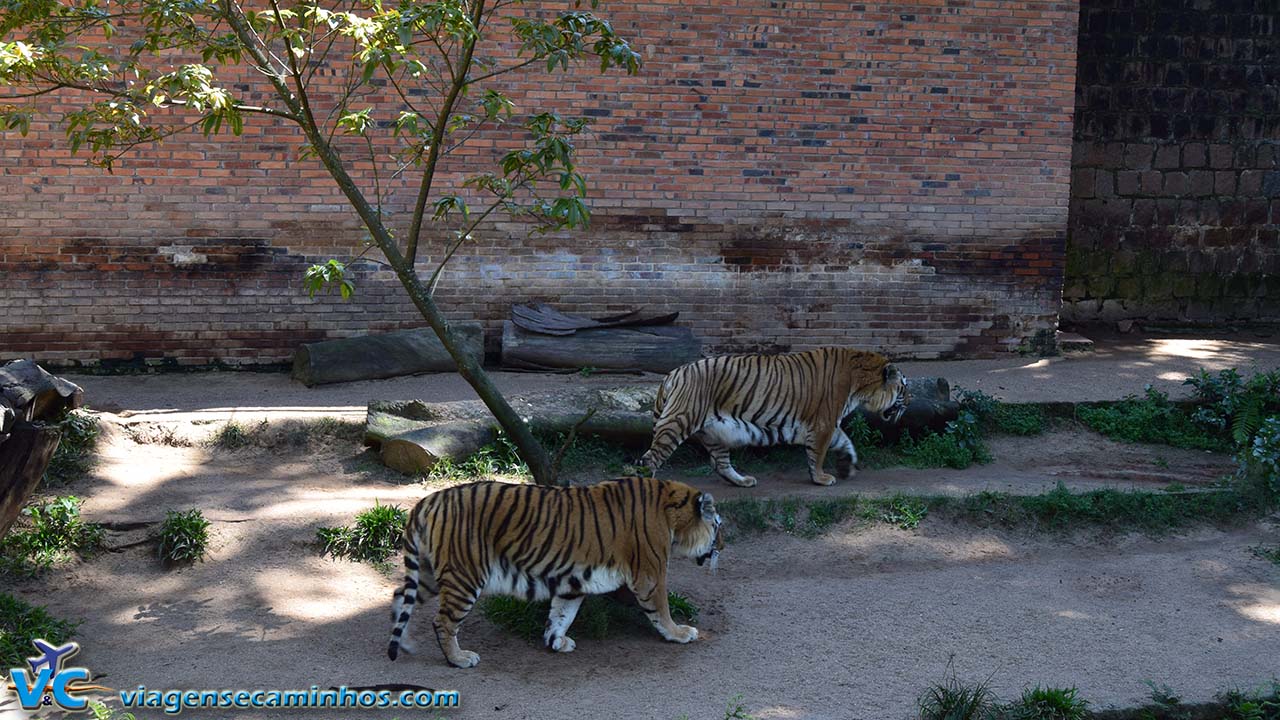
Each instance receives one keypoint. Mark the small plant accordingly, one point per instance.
(905, 512)
(102, 712)
(75, 453)
(374, 537)
(960, 446)
(1230, 403)
(48, 532)
(233, 435)
(954, 700)
(1046, 703)
(735, 710)
(599, 616)
(497, 458)
(184, 537)
(20, 623)
(1270, 554)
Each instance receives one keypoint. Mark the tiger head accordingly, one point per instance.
(694, 523)
(886, 391)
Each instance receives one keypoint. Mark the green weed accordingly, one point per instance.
(1152, 419)
(102, 712)
(76, 452)
(954, 700)
(184, 537)
(1046, 703)
(20, 623)
(497, 458)
(905, 512)
(46, 533)
(599, 616)
(234, 435)
(1270, 554)
(374, 537)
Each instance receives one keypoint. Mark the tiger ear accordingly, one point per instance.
(707, 506)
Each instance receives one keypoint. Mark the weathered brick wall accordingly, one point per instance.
(784, 174)
(1175, 210)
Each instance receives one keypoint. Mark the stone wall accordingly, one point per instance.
(784, 174)
(1175, 208)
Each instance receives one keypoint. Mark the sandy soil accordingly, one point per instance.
(851, 625)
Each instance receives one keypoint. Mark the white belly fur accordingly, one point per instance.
(602, 581)
(733, 432)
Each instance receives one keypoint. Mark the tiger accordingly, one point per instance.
(554, 543)
(795, 398)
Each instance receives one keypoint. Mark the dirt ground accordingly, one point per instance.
(853, 624)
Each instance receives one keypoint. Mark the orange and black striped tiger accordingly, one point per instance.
(550, 543)
(797, 398)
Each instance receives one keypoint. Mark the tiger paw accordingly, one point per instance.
(563, 644)
(743, 481)
(823, 479)
(684, 634)
(465, 659)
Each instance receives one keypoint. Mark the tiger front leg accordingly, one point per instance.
(563, 610)
(816, 451)
(652, 598)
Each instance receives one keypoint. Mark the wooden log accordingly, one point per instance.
(370, 357)
(414, 447)
(23, 459)
(930, 409)
(654, 349)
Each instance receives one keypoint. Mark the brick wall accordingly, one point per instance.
(784, 174)
(1175, 210)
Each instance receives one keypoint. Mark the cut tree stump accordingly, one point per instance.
(31, 401)
(23, 460)
(371, 357)
(660, 348)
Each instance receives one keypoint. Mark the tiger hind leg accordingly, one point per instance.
(564, 608)
(847, 461)
(724, 466)
(419, 578)
(669, 431)
(455, 604)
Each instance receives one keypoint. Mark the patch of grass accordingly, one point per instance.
(184, 537)
(1252, 705)
(22, 622)
(1270, 554)
(497, 458)
(374, 537)
(46, 533)
(234, 435)
(102, 712)
(955, 700)
(1019, 419)
(1153, 419)
(76, 452)
(1046, 703)
(599, 617)
(905, 512)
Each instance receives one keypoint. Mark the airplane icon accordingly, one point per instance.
(52, 657)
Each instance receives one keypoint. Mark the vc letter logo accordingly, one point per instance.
(48, 683)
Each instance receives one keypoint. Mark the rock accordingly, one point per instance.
(929, 410)
(30, 393)
(370, 357)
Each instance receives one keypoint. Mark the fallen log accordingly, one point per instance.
(929, 410)
(370, 357)
(415, 447)
(657, 349)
